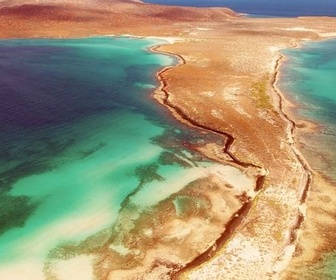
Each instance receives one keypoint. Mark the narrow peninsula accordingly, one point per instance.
(259, 225)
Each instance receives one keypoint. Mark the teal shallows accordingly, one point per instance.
(79, 133)
(79, 182)
(309, 76)
(309, 79)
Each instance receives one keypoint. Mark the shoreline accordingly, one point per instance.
(237, 218)
(291, 129)
(210, 103)
(286, 107)
(181, 116)
(235, 222)
(318, 183)
(291, 132)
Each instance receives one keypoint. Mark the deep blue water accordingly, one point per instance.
(80, 133)
(277, 8)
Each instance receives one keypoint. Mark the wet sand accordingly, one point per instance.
(226, 84)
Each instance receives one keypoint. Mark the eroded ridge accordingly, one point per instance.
(224, 86)
(205, 264)
(145, 241)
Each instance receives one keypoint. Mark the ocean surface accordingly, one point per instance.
(308, 79)
(80, 133)
(264, 8)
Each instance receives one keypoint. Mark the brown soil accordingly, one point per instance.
(224, 85)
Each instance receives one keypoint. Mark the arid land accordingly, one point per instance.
(226, 83)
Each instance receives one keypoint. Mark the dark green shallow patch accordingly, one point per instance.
(15, 210)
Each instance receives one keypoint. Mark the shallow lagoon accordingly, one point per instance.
(308, 77)
(80, 135)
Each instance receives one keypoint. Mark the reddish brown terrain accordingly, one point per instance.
(225, 83)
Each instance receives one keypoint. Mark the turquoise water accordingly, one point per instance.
(80, 132)
(309, 76)
(309, 79)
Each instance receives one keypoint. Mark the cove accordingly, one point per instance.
(80, 134)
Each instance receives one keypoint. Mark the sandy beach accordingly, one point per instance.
(226, 84)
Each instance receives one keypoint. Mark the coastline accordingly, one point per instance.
(237, 218)
(314, 242)
(162, 96)
(234, 146)
(181, 116)
(291, 131)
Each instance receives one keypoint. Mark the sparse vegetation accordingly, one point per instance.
(259, 93)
